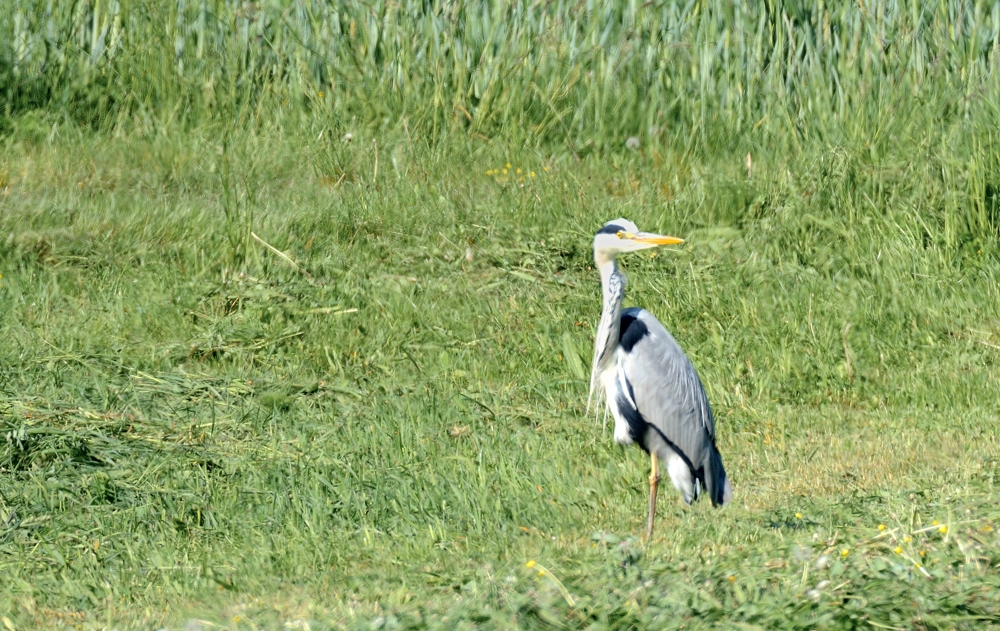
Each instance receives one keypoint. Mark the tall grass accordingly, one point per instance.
(581, 76)
(576, 71)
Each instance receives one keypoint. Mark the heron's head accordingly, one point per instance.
(621, 235)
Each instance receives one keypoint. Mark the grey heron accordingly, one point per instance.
(649, 385)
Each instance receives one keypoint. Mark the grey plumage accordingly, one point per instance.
(669, 397)
(647, 382)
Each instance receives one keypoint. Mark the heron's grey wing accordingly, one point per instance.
(665, 387)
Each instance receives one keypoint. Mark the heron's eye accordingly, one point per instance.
(620, 234)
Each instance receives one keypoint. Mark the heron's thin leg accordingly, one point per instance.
(654, 482)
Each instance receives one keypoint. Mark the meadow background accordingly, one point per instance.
(297, 301)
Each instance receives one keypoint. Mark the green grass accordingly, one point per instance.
(396, 434)
(383, 426)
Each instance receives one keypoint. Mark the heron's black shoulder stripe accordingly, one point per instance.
(637, 425)
(611, 228)
(631, 330)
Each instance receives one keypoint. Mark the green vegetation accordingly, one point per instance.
(296, 305)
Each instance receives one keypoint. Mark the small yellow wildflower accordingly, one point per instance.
(943, 529)
(518, 170)
(907, 539)
(236, 619)
(934, 523)
(798, 515)
(319, 94)
(504, 171)
(923, 553)
(546, 169)
(844, 552)
(508, 165)
(732, 579)
(897, 550)
(918, 565)
(532, 174)
(881, 527)
(530, 564)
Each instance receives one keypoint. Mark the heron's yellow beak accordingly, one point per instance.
(655, 239)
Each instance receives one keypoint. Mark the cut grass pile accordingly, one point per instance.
(277, 361)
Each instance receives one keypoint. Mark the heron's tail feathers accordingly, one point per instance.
(720, 491)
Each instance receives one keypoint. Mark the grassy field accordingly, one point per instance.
(277, 359)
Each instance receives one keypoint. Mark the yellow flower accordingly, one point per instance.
(546, 169)
(917, 564)
(530, 564)
(319, 94)
(844, 552)
(881, 527)
(897, 550)
(518, 171)
(798, 515)
(732, 579)
(532, 174)
(508, 165)
(907, 539)
(943, 529)
(504, 171)
(934, 523)
(923, 553)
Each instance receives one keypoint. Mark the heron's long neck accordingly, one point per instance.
(606, 340)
